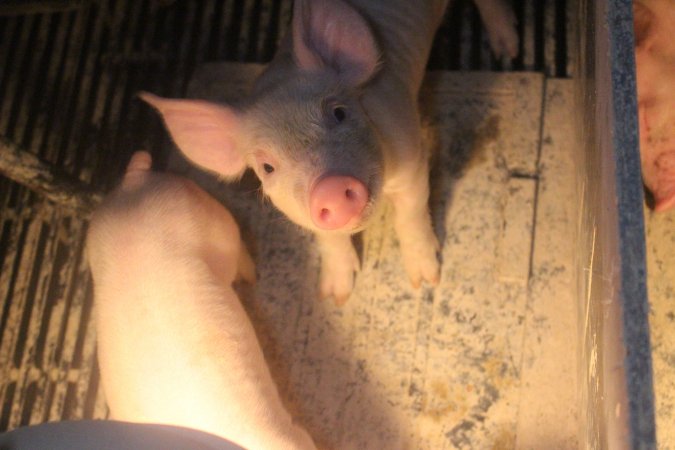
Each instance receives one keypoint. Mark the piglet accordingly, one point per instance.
(175, 345)
(655, 65)
(332, 126)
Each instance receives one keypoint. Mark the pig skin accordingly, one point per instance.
(175, 345)
(655, 66)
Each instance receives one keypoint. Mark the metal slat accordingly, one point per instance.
(11, 350)
(271, 19)
(39, 70)
(31, 377)
(73, 334)
(83, 84)
(104, 116)
(45, 144)
(27, 78)
(58, 311)
(10, 75)
(36, 376)
(81, 55)
(116, 103)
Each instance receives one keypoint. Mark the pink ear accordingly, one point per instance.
(205, 132)
(330, 33)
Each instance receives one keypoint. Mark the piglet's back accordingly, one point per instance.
(175, 344)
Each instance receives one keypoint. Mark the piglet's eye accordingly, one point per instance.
(339, 113)
(268, 168)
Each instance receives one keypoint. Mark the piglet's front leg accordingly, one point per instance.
(412, 222)
(339, 262)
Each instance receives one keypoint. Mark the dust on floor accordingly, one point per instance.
(660, 231)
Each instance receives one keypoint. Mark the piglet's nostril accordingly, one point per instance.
(337, 200)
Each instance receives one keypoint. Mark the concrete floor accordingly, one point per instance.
(485, 360)
(660, 230)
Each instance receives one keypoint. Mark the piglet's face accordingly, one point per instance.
(316, 152)
(308, 139)
(304, 131)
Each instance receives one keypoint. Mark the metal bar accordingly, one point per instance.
(21, 7)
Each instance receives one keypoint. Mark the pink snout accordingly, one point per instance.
(337, 200)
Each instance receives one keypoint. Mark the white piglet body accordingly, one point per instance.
(332, 126)
(175, 344)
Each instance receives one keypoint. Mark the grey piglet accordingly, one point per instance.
(332, 126)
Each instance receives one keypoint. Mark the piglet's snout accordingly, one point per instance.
(336, 200)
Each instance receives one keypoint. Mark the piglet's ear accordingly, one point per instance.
(205, 132)
(330, 33)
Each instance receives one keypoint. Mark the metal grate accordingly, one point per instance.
(69, 71)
